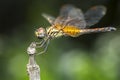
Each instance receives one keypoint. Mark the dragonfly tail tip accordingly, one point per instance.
(113, 29)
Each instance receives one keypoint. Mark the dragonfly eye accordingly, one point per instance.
(40, 33)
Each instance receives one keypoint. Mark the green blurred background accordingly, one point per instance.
(88, 57)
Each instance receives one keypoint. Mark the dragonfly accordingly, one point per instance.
(71, 22)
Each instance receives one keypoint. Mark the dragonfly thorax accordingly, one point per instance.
(53, 32)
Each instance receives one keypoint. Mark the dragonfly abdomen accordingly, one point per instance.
(71, 31)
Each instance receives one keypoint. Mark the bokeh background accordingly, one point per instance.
(88, 57)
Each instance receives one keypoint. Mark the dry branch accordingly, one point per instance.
(32, 68)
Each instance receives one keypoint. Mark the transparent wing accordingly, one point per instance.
(50, 19)
(70, 15)
(94, 14)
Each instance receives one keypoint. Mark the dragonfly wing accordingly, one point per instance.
(63, 14)
(70, 15)
(76, 18)
(94, 14)
(50, 18)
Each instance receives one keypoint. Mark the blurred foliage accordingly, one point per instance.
(88, 57)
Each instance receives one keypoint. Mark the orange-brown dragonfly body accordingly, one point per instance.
(71, 22)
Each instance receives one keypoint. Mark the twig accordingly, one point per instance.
(32, 68)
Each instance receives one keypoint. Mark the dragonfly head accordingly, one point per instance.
(40, 33)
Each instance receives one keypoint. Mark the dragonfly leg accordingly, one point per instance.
(38, 43)
(41, 44)
(95, 30)
(45, 49)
